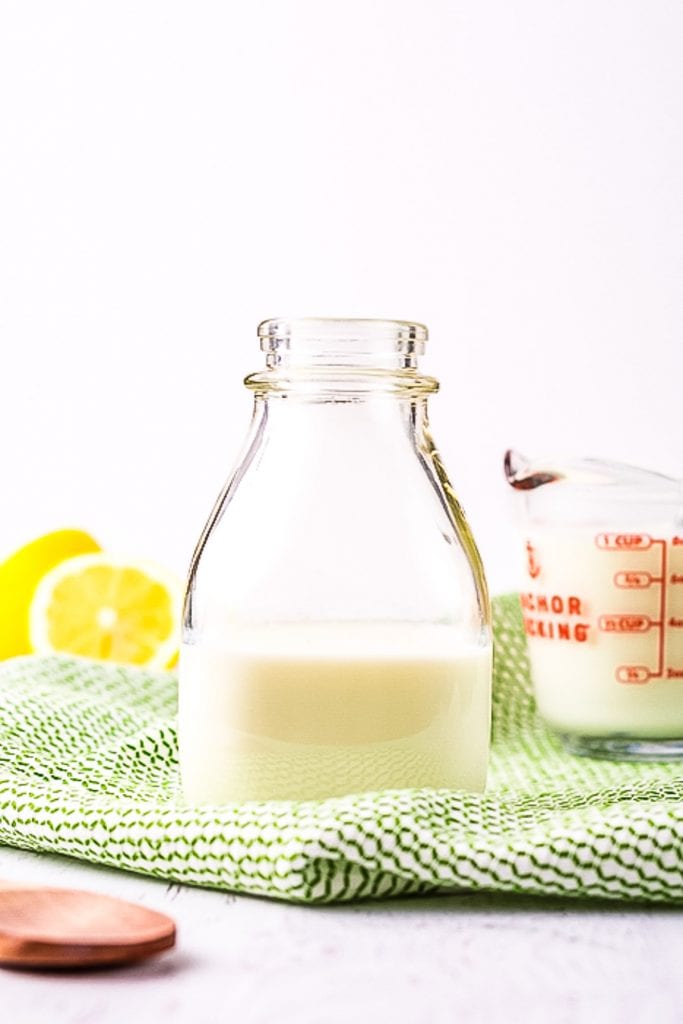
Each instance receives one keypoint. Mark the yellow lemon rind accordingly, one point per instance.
(20, 574)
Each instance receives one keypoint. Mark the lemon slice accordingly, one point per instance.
(20, 575)
(99, 606)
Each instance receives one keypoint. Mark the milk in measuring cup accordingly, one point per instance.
(603, 614)
(602, 604)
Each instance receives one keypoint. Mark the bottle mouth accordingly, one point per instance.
(320, 342)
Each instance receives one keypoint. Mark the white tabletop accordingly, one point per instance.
(466, 958)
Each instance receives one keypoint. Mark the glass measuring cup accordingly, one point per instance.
(602, 601)
(336, 634)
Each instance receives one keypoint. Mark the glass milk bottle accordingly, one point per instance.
(336, 633)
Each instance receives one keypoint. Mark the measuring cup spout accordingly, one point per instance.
(525, 475)
(521, 474)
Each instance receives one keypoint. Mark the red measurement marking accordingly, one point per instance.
(662, 610)
(633, 580)
(623, 541)
(633, 674)
(533, 567)
(624, 623)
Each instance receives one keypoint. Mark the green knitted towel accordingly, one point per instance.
(88, 768)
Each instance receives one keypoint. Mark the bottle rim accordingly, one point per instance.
(406, 334)
(329, 356)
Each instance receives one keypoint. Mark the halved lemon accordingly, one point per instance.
(20, 575)
(100, 606)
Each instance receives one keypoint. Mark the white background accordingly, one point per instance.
(173, 172)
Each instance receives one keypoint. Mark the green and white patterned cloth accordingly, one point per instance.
(88, 768)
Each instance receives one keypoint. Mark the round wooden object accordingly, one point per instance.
(67, 928)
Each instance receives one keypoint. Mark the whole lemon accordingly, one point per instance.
(21, 573)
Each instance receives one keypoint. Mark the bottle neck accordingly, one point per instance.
(312, 439)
